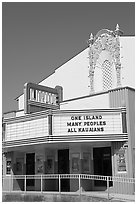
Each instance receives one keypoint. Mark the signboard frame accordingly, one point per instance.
(38, 97)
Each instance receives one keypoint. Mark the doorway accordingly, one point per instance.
(102, 164)
(63, 168)
(30, 170)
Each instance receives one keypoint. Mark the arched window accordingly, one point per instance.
(107, 75)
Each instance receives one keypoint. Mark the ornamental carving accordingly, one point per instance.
(109, 41)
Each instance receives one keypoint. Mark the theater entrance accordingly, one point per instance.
(63, 168)
(102, 164)
(30, 170)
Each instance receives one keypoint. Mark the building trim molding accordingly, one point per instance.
(63, 138)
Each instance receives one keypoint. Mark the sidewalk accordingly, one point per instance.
(122, 197)
(94, 196)
(112, 196)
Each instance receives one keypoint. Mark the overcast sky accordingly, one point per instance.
(39, 37)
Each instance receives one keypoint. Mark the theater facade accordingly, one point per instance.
(79, 120)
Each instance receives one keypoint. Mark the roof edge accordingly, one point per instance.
(98, 93)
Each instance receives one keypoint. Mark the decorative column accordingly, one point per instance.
(91, 64)
(118, 72)
(117, 33)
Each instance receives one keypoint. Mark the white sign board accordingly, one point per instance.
(87, 124)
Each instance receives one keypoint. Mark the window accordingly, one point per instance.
(86, 162)
(107, 75)
(8, 166)
(50, 165)
(121, 161)
(75, 162)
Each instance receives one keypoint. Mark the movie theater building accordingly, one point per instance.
(79, 120)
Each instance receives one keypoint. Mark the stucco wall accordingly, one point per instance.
(93, 102)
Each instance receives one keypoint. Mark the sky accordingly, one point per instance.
(38, 37)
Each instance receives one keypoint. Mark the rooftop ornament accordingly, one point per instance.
(117, 31)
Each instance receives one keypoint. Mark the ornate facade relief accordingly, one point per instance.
(109, 41)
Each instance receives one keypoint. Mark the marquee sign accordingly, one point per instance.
(88, 124)
(37, 97)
